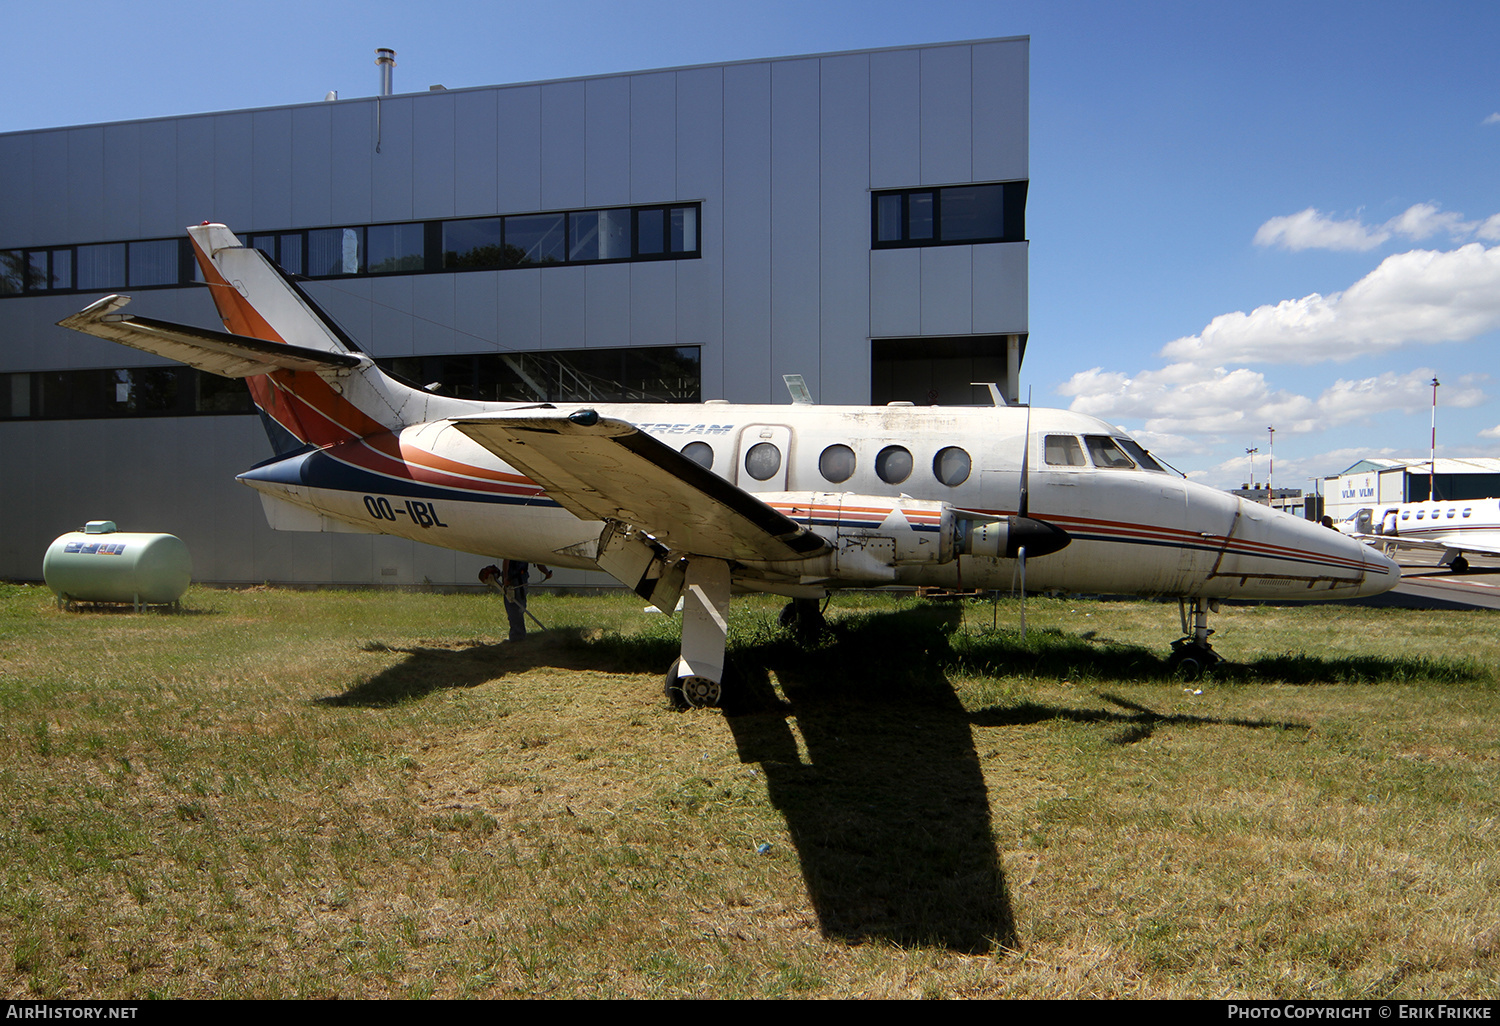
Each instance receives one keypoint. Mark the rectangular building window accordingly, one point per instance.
(532, 239)
(395, 247)
(102, 266)
(476, 243)
(154, 263)
(334, 251)
(953, 215)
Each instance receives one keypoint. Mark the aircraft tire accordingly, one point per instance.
(1460, 565)
(691, 692)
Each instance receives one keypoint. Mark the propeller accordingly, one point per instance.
(1026, 533)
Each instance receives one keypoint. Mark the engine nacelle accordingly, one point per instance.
(874, 535)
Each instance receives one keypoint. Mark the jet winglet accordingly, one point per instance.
(217, 352)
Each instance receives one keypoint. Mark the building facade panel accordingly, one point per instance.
(16, 215)
(195, 172)
(1002, 111)
(746, 242)
(947, 114)
(520, 163)
(352, 157)
(156, 195)
(653, 137)
(233, 164)
(844, 230)
(607, 141)
(434, 155)
(895, 119)
(84, 175)
(947, 291)
(1000, 288)
(121, 206)
(476, 151)
(312, 169)
(271, 180)
(564, 146)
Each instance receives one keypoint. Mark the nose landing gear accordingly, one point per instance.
(1192, 654)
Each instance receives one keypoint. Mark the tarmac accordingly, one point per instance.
(1425, 585)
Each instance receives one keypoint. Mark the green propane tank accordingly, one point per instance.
(101, 564)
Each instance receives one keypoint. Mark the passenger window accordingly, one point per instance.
(1450, 514)
(951, 466)
(700, 453)
(837, 463)
(1406, 514)
(1106, 454)
(1421, 513)
(893, 464)
(1468, 510)
(1063, 451)
(763, 461)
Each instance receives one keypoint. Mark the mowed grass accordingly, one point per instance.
(359, 794)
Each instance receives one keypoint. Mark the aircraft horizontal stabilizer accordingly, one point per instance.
(602, 468)
(217, 352)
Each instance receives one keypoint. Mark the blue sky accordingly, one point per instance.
(1241, 215)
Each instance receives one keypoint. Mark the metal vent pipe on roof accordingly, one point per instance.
(386, 59)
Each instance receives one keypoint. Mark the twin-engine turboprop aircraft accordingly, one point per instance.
(698, 501)
(1448, 528)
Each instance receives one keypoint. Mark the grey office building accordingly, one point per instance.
(679, 235)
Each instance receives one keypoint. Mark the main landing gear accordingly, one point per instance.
(694, 679)
(804, 618)
(1192, 654)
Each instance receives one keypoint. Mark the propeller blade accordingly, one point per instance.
(1026, 463)
(1021, 558)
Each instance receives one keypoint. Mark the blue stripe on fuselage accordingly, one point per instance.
(317, 469)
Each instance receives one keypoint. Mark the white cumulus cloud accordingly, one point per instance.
(1312, 229)
(1186, 400)
(1309, 229)
(1422, 296)
(1493, 119)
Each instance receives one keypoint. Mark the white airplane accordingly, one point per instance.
(699, 501)
(1449, 528)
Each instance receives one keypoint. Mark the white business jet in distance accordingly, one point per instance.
(1447, 528)
(699, 501)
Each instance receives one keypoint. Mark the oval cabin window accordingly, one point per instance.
(763, 461)
(837, 463)
(951, 466)
(893, 464)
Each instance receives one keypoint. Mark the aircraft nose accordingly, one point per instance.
(1381, 573)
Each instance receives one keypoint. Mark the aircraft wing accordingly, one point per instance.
(602, 468)
(1424, 544)
(217, 352)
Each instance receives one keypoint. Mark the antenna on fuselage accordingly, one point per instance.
(798, 387)
(997, 397)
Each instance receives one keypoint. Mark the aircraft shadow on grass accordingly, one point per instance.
(869, 753)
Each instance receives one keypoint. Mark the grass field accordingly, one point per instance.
(291, 794)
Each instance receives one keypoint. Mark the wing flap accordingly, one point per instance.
(217, 352)
(602, 468)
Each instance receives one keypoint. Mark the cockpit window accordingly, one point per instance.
(1106, 454)
(1139, 454)
(1063, 451)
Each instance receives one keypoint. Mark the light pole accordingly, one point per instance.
(1432, 465)
(1271, 467)
(1251, 453)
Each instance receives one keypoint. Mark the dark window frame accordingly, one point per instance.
(1013, 217)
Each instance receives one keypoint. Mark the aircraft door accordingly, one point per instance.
(765, 453)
